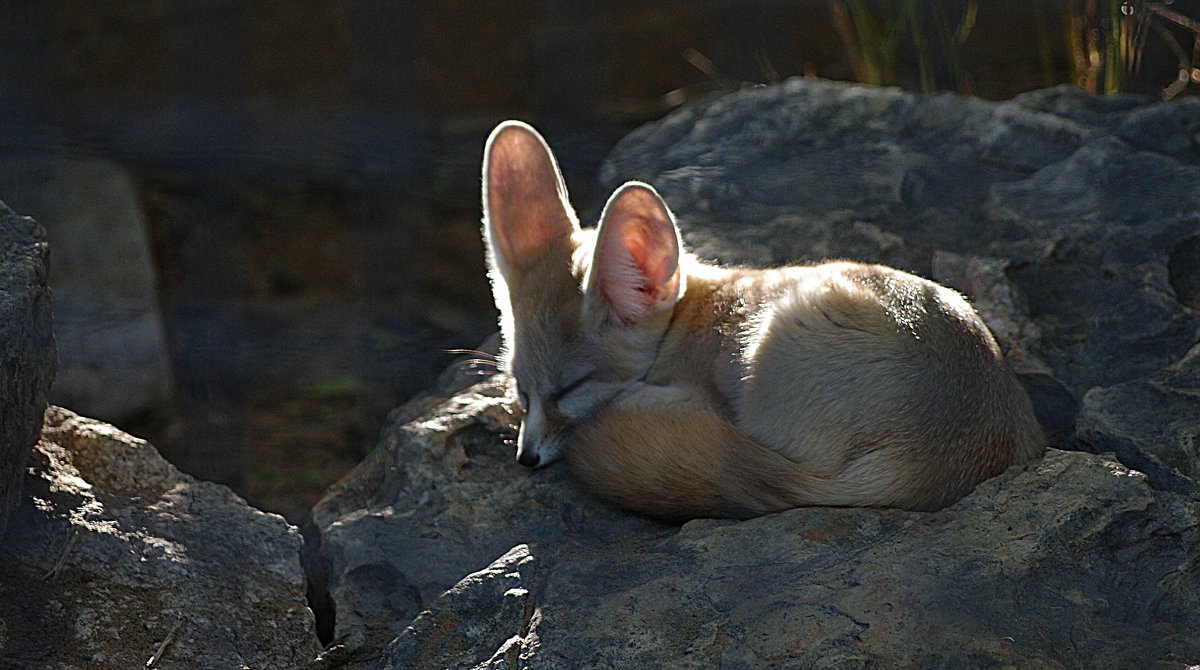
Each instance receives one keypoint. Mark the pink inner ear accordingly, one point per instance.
(525, 195)
(654, 256)
(636, 261)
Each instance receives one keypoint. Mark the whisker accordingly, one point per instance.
(483, 354)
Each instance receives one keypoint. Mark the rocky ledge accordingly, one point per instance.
(116, 559)
(1072, 223)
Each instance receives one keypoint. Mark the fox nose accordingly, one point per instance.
(528, 437)
(528, 458)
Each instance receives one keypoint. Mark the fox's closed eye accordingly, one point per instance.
(580, 398)
(567, 389)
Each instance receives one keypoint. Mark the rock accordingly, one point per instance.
(1152, 423)
(106, 316)
(984, 583)
(1067, 228)
(1184, 269)
(115, 555)
(1036, 568)
(27, 352)
(484, 616)
(413, 518)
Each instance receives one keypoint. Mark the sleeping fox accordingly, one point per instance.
(679, 390)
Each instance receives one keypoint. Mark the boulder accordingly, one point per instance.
(106, 316)
(1152, 424)
(1074, 560)
(1067, 223)
(115, 558)
(1033, 570)
(27, 353)
(439, 498)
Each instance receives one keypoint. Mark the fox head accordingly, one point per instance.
(581, 311)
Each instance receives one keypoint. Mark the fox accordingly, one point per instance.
(679, 389)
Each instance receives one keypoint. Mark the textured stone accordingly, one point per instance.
(439, 498)
(1021, 573)
(452, 634)
(1152, 424)
(115, 554)
(27, 352)
(1071, 561)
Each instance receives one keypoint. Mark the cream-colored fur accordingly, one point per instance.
(679, 389)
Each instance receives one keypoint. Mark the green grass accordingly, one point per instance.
(1102, 42)
(880, 34)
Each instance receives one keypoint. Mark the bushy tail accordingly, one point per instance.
(683, 465)
(677, 464)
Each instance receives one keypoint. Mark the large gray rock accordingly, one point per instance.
(1072, 561)
(106, 316)
(1070, 225)
(27, 354)
(115, 556)
(440, 497)
(1152, 424)
(1030, 571)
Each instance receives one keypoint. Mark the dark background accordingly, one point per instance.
(308, 170)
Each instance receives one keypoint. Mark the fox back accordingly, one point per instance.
(680, 389)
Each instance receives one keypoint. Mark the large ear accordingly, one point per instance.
(635, 266)
(524, 198)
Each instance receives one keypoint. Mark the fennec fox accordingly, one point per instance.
(679, 389)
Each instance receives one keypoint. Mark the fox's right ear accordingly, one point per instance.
(635, 271)
(525, 202)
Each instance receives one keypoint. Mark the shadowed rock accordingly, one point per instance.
(115, 556)
(28, 360)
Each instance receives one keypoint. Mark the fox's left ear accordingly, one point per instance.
(635, 265)
(525, 205)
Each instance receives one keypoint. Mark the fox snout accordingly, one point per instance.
(533, 452)
(537, 446)
(527, 455)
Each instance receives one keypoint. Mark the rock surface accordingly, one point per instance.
(1153, 424)
(1074, 561)
(984, 583)
(115, 556)
(106, 316)
(27, 351)
(418, 514)
(1068, 220)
